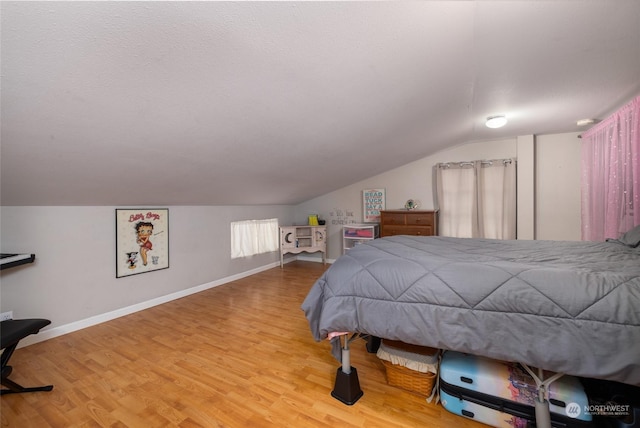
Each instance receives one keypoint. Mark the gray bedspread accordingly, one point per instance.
(570, 307)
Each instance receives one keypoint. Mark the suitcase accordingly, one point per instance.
(503, 394)
(613, 404)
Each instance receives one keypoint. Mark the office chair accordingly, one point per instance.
(12, 332)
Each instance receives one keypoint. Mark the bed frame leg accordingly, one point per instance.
(373, 344)
(347, 386)
(543, 414)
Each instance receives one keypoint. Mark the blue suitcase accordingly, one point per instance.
(502, 394)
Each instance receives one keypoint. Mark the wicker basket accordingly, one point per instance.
(411, 380)
(407, 378)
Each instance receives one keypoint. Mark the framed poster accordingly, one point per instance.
(373, 201)
(142, 240)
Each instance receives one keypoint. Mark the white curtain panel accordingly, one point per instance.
(457, 195)
(250, 237)
(477, 199)
(497, 199)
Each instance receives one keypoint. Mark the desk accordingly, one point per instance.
(298, 239)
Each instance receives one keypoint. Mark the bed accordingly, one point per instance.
(566, 307)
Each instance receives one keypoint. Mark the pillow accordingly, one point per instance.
(632, 237)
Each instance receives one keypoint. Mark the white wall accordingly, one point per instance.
(73, 277)
(558, 184)
(526, 188)
(411, 181)
(414, 181)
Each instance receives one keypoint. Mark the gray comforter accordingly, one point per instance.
(570, 307)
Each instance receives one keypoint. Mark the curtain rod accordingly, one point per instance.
(472, 163)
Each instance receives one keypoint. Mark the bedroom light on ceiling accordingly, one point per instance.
(496, 121)
(585, 122)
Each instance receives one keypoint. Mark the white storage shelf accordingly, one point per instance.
(298, 239)
(355, 234)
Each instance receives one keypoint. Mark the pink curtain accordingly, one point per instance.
(611, 175)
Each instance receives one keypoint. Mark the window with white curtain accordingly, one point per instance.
(477, 199)
(250, 237)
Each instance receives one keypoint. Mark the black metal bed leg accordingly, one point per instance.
(347, 386)
(373, 343)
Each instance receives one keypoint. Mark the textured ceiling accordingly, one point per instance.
(225, 103)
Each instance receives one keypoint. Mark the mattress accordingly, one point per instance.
(564, 306)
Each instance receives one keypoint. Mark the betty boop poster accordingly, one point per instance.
(142, 240)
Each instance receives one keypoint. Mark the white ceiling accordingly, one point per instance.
(225, 103)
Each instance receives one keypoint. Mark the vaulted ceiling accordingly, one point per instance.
(225, 103)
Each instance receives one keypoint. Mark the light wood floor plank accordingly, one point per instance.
(238, 355)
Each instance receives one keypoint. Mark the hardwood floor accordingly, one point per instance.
(237, 355)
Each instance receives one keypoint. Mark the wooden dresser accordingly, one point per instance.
(404, 222)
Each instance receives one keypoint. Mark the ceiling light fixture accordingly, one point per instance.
(585, 122)
(496, 121)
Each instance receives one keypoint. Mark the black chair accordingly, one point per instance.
(12, 332)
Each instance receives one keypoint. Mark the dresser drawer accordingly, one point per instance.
(401, 222)
(393, 218)
(418, 231)
(390, 230)
(407, 230)
(420, 219)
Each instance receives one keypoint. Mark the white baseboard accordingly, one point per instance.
(98, 319)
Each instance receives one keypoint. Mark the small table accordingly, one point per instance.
(298, 239)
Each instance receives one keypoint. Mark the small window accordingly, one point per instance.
(250, 237)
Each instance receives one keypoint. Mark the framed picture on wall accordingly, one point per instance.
(142, 240)
(373, 201)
